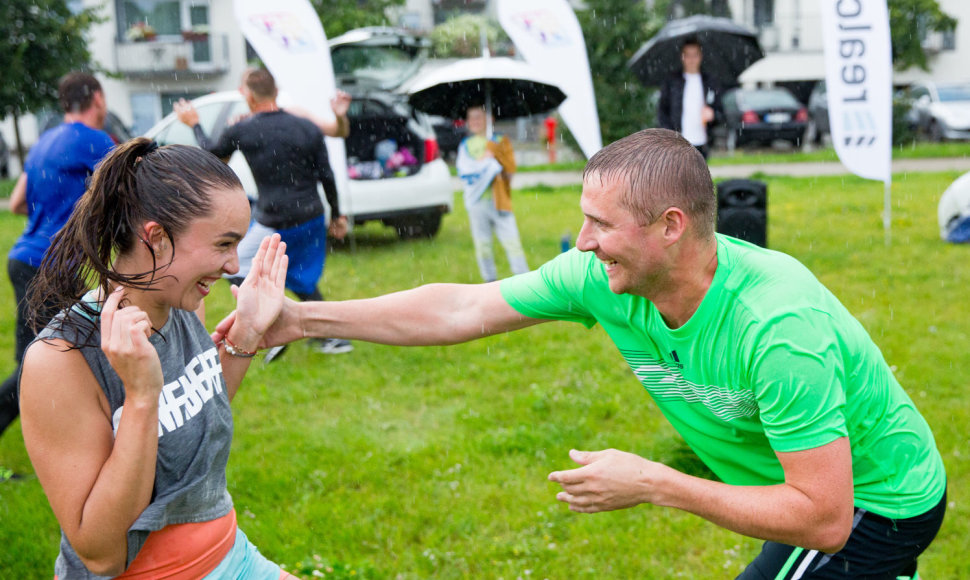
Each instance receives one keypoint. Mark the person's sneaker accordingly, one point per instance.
(274, 353)
(331, 345)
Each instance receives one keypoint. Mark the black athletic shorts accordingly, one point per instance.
(878, 548)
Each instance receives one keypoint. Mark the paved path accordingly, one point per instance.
(527, 179)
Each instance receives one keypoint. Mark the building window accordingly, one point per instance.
(161, 17)
(764, 13)
(950, 39)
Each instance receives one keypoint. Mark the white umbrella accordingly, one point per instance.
(508, 88)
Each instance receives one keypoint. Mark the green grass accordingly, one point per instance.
(6, 187)
(431, 462)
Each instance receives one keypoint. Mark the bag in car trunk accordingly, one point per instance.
(382, 147)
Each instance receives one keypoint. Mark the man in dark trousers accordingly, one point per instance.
(288, 157)
(55, 176)
(690, 100)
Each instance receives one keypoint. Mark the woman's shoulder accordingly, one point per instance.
(54, 370)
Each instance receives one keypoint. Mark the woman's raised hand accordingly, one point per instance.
(260, 297)
(124, 340)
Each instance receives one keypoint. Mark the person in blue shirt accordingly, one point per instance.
(55, 176)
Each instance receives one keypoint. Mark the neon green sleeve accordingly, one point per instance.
(556, 291)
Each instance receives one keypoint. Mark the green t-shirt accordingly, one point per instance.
(770, 361)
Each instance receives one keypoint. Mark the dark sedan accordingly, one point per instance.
(450, 133)
(763, 116)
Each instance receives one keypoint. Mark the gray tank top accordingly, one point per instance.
(194, 429)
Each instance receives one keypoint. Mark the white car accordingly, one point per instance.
(941, 110)
(412, 198)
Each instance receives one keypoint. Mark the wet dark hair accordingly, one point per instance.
(691, 41)
(75, 91)
(135, 183)
(658, 169)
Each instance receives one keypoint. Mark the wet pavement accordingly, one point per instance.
(526, 179)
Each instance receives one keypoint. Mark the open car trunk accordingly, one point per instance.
(383, 146)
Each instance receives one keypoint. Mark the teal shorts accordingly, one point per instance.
(244, 562)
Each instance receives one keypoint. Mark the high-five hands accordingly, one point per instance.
(260, 297)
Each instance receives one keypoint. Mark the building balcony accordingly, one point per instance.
(201, 56)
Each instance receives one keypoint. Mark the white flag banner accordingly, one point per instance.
(548, 36)
(290, 41)
(858, 78)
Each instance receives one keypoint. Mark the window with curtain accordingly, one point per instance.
(163, 16)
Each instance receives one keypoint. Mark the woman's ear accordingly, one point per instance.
(154, 235)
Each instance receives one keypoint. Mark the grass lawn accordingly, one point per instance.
(413, 463)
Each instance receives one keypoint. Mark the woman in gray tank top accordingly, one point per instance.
(125, 397)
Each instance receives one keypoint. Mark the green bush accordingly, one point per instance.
(460, 37)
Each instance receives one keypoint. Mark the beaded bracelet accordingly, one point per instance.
(235, 350)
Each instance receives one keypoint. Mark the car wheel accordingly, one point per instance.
(424, 225)
(935, 132)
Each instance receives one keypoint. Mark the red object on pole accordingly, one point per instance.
(550, 124)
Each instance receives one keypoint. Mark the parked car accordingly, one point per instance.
(941, 110)
(410, 192)
(762, 116)
(449, 132)
(818, 114)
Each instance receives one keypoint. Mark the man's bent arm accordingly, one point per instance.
(812, 509)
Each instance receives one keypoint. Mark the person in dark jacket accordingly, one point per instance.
(690, 100)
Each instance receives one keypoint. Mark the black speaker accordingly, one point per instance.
(742, 210)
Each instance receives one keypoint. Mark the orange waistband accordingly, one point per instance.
(184, 551)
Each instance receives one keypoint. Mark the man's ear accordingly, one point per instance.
(675, 224)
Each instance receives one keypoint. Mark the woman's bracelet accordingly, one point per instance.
(235, 350)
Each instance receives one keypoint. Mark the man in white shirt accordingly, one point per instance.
(689, 99)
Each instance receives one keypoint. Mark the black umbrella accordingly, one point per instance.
(509, 88)
(729, 48)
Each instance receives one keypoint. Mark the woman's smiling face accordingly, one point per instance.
(204, 251)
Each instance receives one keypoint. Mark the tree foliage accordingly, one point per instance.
(460, 37)
(908, 21)
(614, 30)
(339, 16)
(40, 41)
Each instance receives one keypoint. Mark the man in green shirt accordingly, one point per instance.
(769, 379)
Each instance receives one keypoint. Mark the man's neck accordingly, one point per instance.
(265, 106)
(687, 283)
(89, 118)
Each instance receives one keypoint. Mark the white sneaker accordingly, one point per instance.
(274, 353)
(332, 346)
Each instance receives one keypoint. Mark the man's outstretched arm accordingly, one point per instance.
(434, 314)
